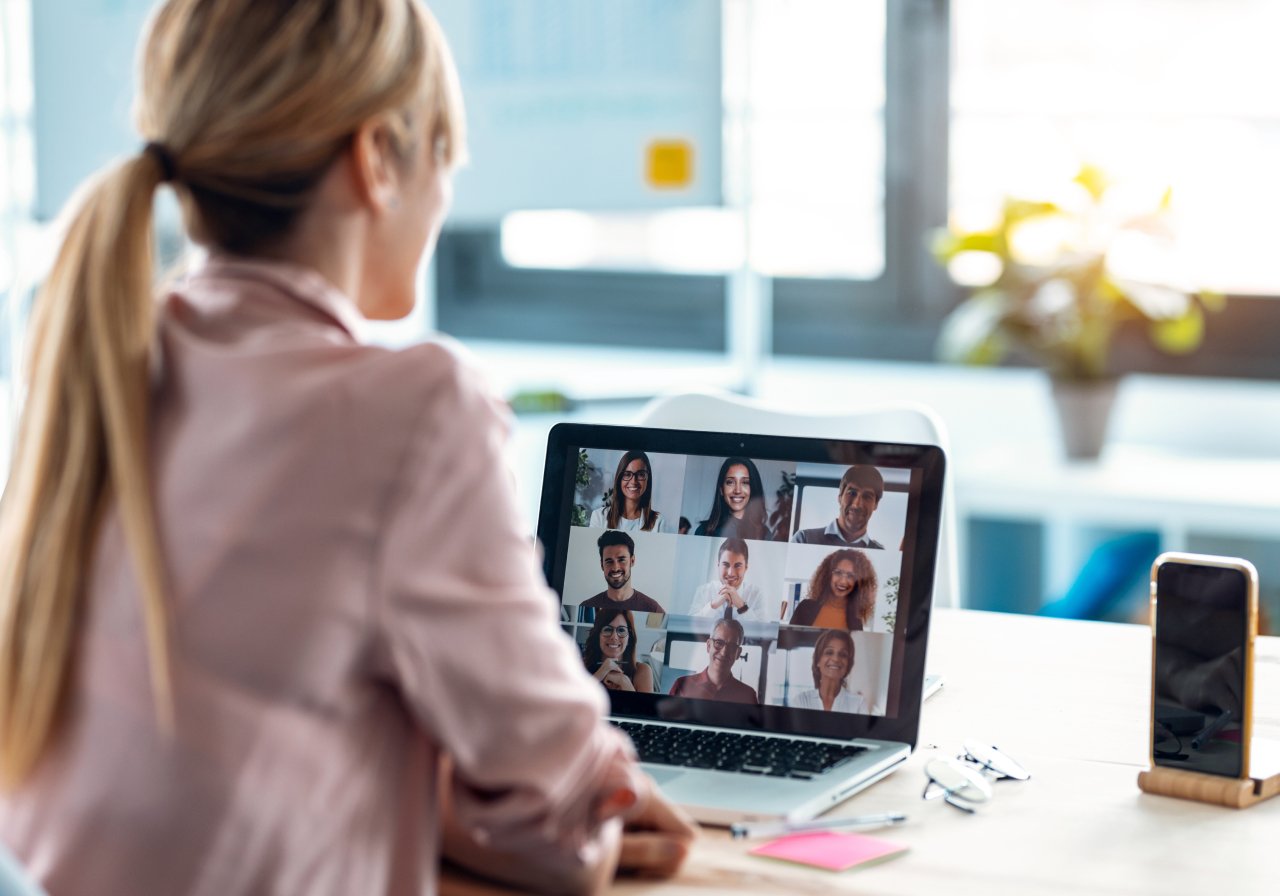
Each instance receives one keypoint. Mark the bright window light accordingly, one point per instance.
(550, 239)
(816, 138)
(687, 240)
(1158, 94)
(805, 103)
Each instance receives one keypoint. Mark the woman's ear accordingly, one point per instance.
(374, 166)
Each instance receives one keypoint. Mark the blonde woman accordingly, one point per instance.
(247, 564)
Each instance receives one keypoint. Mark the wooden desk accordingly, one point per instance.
(1069, 700)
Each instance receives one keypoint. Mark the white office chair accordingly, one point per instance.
(906, 422)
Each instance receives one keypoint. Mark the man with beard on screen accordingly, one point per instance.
(861, 488)
(617, 560)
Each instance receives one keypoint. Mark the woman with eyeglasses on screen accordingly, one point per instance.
(610, 653)
(247, 563)
(842, 593)
(738, 508)
(832, 665)
(629, 509)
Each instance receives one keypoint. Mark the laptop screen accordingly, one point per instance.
(750, 586)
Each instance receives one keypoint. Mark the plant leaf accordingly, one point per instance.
(1179, 335)
(1093, 179)
(971, 333)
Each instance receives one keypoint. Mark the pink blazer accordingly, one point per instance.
(352, 596)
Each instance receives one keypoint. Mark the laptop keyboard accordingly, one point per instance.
(750, 754)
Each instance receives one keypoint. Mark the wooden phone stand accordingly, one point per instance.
(1235, 793)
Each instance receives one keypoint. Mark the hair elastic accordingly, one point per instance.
(168, 167)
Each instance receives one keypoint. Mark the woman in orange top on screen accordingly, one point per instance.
(258, 580)
(610, 653)
(842, 593)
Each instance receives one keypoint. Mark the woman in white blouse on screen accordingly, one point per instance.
(632, 495)
(832, 664)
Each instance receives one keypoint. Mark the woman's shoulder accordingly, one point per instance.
(853, 702)
(806, 611)
(444, 382)
(599, 519)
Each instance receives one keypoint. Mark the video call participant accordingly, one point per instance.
(716, 682)
(610, 653)
(729, 596)
(861, 488)
(737, 508)
(842, 593)
(617, 559)
(832, 664)
(632, 493)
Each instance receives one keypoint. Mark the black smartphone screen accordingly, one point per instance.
(1202, 631)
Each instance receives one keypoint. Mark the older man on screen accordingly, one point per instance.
(716, 682)
(861, 488)
(729, 595)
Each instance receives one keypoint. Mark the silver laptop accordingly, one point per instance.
(757, 607)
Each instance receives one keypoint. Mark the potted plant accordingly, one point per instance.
(1056, 280)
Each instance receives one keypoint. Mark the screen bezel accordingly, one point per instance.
(1251, 632)
(553, 531)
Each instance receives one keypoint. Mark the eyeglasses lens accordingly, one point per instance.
(989, 757)
(956, 781)
(609, 631)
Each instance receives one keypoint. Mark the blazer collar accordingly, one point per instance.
(297, 281)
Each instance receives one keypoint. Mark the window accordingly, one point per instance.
(1159, 94)
(815, 100)
(17, 189)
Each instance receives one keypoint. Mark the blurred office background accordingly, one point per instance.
(742, 194)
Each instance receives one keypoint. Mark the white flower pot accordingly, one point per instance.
(1084, 408)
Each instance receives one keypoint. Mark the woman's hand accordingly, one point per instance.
(656, 840)
(606, 669)
(618, 681)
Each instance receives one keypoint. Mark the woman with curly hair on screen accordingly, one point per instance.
(842, 593)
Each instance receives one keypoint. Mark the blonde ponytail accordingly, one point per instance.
(248, 103)
(83, 433)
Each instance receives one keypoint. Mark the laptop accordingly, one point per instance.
(756, 607)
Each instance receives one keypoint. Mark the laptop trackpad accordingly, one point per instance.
(662, 775)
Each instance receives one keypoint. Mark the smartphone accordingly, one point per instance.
(1204, 618)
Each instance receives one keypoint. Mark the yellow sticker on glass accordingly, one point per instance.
(669, 164)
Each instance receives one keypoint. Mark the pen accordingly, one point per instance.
(1210, 730)
(773, 829)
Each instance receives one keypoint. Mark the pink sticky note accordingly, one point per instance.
(827, 849)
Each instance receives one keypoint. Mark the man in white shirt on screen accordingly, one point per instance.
(729, 596)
